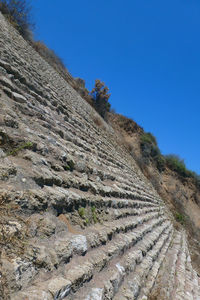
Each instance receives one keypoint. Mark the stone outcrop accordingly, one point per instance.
(78, 218)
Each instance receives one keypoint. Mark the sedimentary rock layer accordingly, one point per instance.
(86, 223)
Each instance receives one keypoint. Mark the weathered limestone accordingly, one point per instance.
(176, 278)
(80, 221)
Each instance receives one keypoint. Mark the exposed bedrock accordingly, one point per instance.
(78, 218)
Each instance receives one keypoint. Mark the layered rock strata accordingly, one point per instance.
(78, 218)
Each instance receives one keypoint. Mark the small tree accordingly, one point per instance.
(100, 98)
(18, 13)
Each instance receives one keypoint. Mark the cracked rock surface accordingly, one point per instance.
(78, 218)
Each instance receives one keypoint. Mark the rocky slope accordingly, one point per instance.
(181, 194)
(78, 218)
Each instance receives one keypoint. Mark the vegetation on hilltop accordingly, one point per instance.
(100, 98)
(150, 153)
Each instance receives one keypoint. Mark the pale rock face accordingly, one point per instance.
(81, 166)
(47, 226)
(63, 248)
(120, 268)
(7, 170)
(43, 256)
(59, 287)
(79, 244)
(33, 294)
(19, 272)
(10, 122)
(18, 98)
(12, 227)
(6, 82)
(96, 294)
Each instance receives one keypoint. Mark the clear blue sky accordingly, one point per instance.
(146, 51)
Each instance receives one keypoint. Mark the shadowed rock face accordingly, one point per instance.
(78, 218)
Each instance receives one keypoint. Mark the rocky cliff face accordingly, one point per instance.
(180, 193)
(78, 219)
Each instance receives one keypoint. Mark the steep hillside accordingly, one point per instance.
(181, 194)
(79, 220)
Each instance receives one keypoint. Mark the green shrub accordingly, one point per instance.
(149, 145)
(160, 162)
(81, 212)
(70, 165)
(151, 152)
(180, 218)
(94, 215)
(93, 209)
(27, 145)
(148, 138)
(95, 218)
(177, 164)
